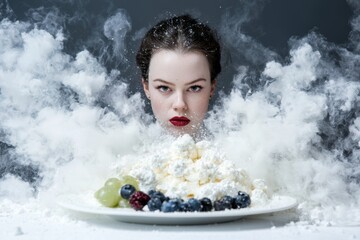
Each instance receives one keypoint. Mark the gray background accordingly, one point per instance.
(269, 23)
(252, 33)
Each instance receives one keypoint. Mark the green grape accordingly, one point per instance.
(127, 179)
(96, 194)
(108, 196)
(123, 203)
(113, 183)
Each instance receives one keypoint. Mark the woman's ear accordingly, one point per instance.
(146, 87)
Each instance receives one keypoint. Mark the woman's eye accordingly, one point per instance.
(195, 88)
(163, 88)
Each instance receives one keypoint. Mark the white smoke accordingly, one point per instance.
(234, 38)
(300, 130)
(74, 119)
(49, 112)
(116, 28)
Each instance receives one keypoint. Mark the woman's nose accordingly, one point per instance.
(179, 102)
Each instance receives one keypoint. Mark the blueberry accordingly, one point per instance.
(242, 200)
(195, 205)
(157, 194)
(229, 202)
(184, 207)
(223, 203)
(219, 205)
(177, 200)
(172, 205)
(226, 202)
(151, 192)
(127, 190)
(206, 205)
(154, 204)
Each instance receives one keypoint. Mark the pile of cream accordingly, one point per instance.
(187, 169)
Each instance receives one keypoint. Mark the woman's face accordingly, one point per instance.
(179, 88)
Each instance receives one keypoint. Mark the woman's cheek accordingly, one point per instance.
(201, 108)
(158, 108)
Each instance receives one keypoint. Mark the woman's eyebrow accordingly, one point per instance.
(163, 81)
(169, 83)
(196, 80)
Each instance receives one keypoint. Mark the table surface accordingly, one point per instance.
(49, 225)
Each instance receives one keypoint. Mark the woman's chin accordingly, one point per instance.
(179, 131)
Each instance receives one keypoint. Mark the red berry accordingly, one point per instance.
(138, 200)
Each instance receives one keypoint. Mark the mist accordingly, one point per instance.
(70, 109)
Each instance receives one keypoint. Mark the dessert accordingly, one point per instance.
(187, 169)
(189, 176)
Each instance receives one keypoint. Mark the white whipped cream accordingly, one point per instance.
(187, 169)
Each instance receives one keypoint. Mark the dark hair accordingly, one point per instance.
(181, 32)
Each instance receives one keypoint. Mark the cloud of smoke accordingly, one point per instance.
(66, 119)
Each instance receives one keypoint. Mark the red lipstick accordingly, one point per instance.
(179, 121)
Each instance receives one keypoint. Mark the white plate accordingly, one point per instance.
(87, 204)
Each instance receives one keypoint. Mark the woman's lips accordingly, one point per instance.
(179, 121)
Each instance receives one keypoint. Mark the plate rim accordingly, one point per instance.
(63, 201)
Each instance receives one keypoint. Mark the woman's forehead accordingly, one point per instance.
(169, 64)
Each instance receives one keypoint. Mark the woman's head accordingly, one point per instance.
(180, 33)
(179, 60)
